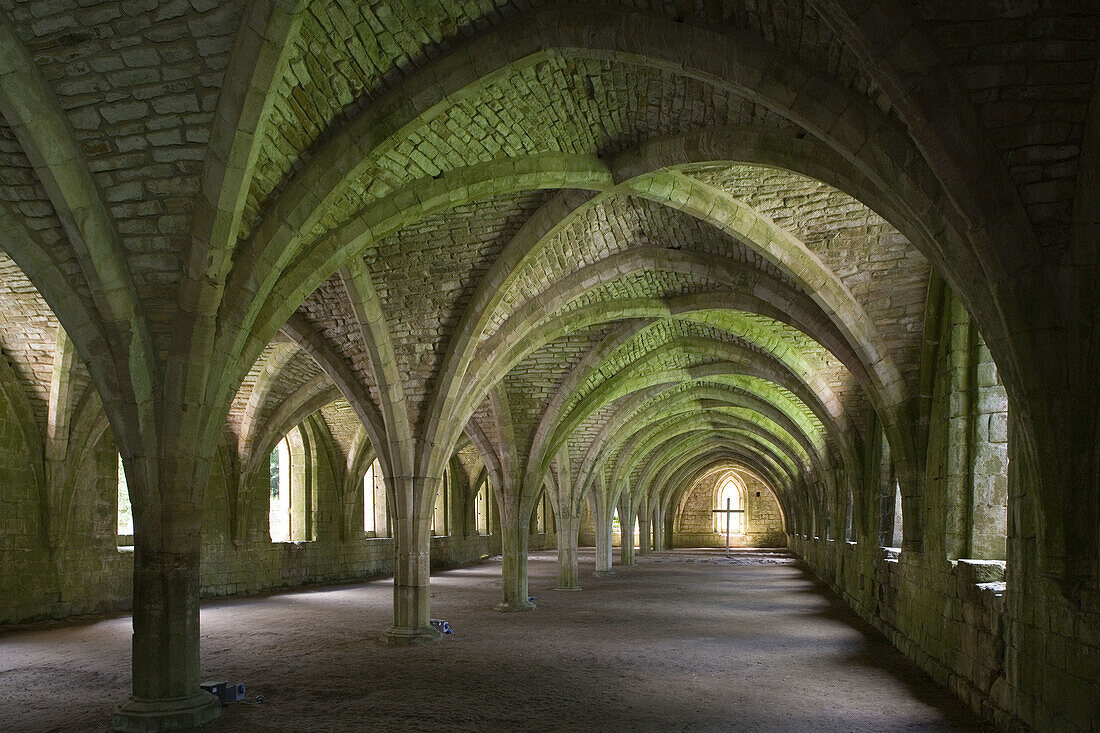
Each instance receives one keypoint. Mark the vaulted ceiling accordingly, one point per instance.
(607, 242)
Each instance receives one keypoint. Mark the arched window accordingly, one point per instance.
(125, 512)
(988, 461)
(889, 532)
(540, 515)
(481, 509)
(439, 512)
(278, 513)
(733, 494)
(891, 517)
(376, 516)
(968, 440)
(369, 520)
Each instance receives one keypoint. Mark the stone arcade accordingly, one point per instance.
(355, 288)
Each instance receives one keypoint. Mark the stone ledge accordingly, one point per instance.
(976, 572)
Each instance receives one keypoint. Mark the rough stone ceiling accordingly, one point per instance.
(349, 54)
(671, 283)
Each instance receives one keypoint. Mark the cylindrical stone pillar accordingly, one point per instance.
(603, 543)
(165, 661)
(667, 528)
(645, 546)
(568, 565)
(514, 538)
(412, 563)
(626, 544)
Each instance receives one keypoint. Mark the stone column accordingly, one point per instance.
(412, 562)
(568, 566)
(515, 535)
(665, 528)
(603, 541)
(165, 645)
(626, 532)
(626, 550)
(645, 546)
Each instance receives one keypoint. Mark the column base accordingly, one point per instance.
(401, 636)
(510, 607)
(153, 716)
(571, 587)
(604, 574)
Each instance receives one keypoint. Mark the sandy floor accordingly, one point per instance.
(684, 641)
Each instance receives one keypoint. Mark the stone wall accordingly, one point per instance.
(947, 616)
(90, 573)
(84, 572)
(1019, 649)
(694, 523)
(1011, 645)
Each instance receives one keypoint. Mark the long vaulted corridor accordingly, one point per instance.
(683, 641)
(297, 293)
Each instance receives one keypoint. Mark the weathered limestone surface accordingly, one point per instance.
(572, 259)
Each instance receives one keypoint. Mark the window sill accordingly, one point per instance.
(980, 572)
(891, 554)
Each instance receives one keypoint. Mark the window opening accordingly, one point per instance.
(369, 519)
(374, 493)
(989, 460)
(278, 514)
(439, 512)
(735, 519)
(125, 511)
(891, 517)
(481, 509)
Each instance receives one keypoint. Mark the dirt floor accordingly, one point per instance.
(683, 641)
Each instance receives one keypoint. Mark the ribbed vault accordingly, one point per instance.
(606, 246)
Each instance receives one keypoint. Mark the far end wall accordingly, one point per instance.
(694, 524)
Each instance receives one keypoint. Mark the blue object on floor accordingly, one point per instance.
(442, 626)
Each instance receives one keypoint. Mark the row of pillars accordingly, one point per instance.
(651, 536)
(166, 668)
(411, 572)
